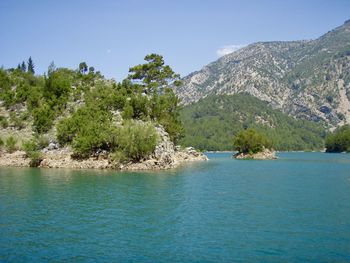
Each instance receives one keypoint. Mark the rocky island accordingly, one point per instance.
(78, 119)
(165, 156)
(250, 144)
(266, 154)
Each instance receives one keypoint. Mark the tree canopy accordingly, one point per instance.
(31, 66)
(156, 80)
(154, 76)
(339, 140)
(250, 141)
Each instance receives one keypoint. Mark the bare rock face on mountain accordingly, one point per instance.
(306, 79)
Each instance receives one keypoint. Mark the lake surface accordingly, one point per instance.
(294, 209)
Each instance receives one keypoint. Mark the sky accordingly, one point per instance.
(113, 36)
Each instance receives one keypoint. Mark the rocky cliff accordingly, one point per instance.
(308, 79)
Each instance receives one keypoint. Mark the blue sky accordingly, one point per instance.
(115, 35)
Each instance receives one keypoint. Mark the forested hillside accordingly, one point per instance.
(211, 123)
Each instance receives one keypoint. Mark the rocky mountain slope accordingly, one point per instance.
(306, 79)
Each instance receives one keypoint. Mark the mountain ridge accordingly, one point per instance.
(307, 79)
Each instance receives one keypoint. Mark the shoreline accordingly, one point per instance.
(62, 159)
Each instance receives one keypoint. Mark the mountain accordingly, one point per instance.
(211, 123)
(308, 79)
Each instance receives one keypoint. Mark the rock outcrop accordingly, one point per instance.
(165, 156)
(266, 154)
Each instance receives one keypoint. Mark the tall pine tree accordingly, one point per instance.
(23, 67)
(30, 65)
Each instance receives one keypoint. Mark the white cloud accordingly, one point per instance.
(227, 49)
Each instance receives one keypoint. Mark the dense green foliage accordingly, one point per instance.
(89, 129)
(92, 114)
(10, 144)
(136, 141)
(155, 80)
(30, 66)
(32, 149)
(250, 141)
(146, 95)
(210, 124)
(339, 140)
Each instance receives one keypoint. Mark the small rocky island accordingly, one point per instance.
(266, 154)
(251, 144)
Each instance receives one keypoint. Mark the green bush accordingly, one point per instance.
(128, 112)
(140, 106)
(89, 129)
(250, 141)
(43, 118)
(67, 129)
(42, 142)
(1, 143)
(35, 159)
(4, 123)
(92, 139)
(30, 146)
(137, 140)
(339, 140)
(7, 95)
(32, 150)
(33, 98)
(58, 86)
(10, 144)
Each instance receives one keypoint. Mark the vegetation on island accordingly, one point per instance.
(250, 141)
(339, 140)
(93, 115)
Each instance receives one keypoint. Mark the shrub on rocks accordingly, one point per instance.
(250, 141)
(88, 130)
(10, 144)
(1, 143)
(136, 140)
(32, 150)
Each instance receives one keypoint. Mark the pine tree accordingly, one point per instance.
(23, 67)
(51, 69)
(83, 68)
(30, 65)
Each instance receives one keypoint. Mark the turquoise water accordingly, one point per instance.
(295, 209)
